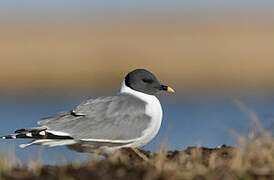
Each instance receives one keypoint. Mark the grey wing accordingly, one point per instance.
(120, 117)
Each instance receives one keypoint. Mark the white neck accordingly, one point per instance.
(153, 109)
(125, 89)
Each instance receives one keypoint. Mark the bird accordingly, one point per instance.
(129, 119)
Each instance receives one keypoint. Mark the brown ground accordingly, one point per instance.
(192, 163)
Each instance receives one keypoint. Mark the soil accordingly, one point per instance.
(128, 165)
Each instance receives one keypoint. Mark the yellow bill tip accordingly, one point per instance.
(169, 89)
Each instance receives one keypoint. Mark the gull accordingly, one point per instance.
(129, 119)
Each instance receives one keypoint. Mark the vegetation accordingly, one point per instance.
(252, 159)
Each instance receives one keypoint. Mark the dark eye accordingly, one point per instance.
(146, 80)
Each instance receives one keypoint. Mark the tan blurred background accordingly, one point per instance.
(204, 53)
(55, 54)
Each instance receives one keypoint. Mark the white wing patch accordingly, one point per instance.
(49, 142)
(28, 134)
(42, 133)
(58, 133)
(39, 141)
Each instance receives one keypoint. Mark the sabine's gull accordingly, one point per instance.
(131, 118)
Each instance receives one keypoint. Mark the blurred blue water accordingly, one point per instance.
(68, 9)
(205, 120)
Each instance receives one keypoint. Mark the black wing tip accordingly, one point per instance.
(31, 130)
(20, 130)
(12, 136)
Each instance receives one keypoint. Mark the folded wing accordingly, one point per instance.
(119, 118)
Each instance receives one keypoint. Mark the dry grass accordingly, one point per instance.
(253, 159)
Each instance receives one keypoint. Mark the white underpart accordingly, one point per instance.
(110, 140)
(153, 109)
(28, 134)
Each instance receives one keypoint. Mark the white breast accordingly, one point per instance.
(153, 109)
